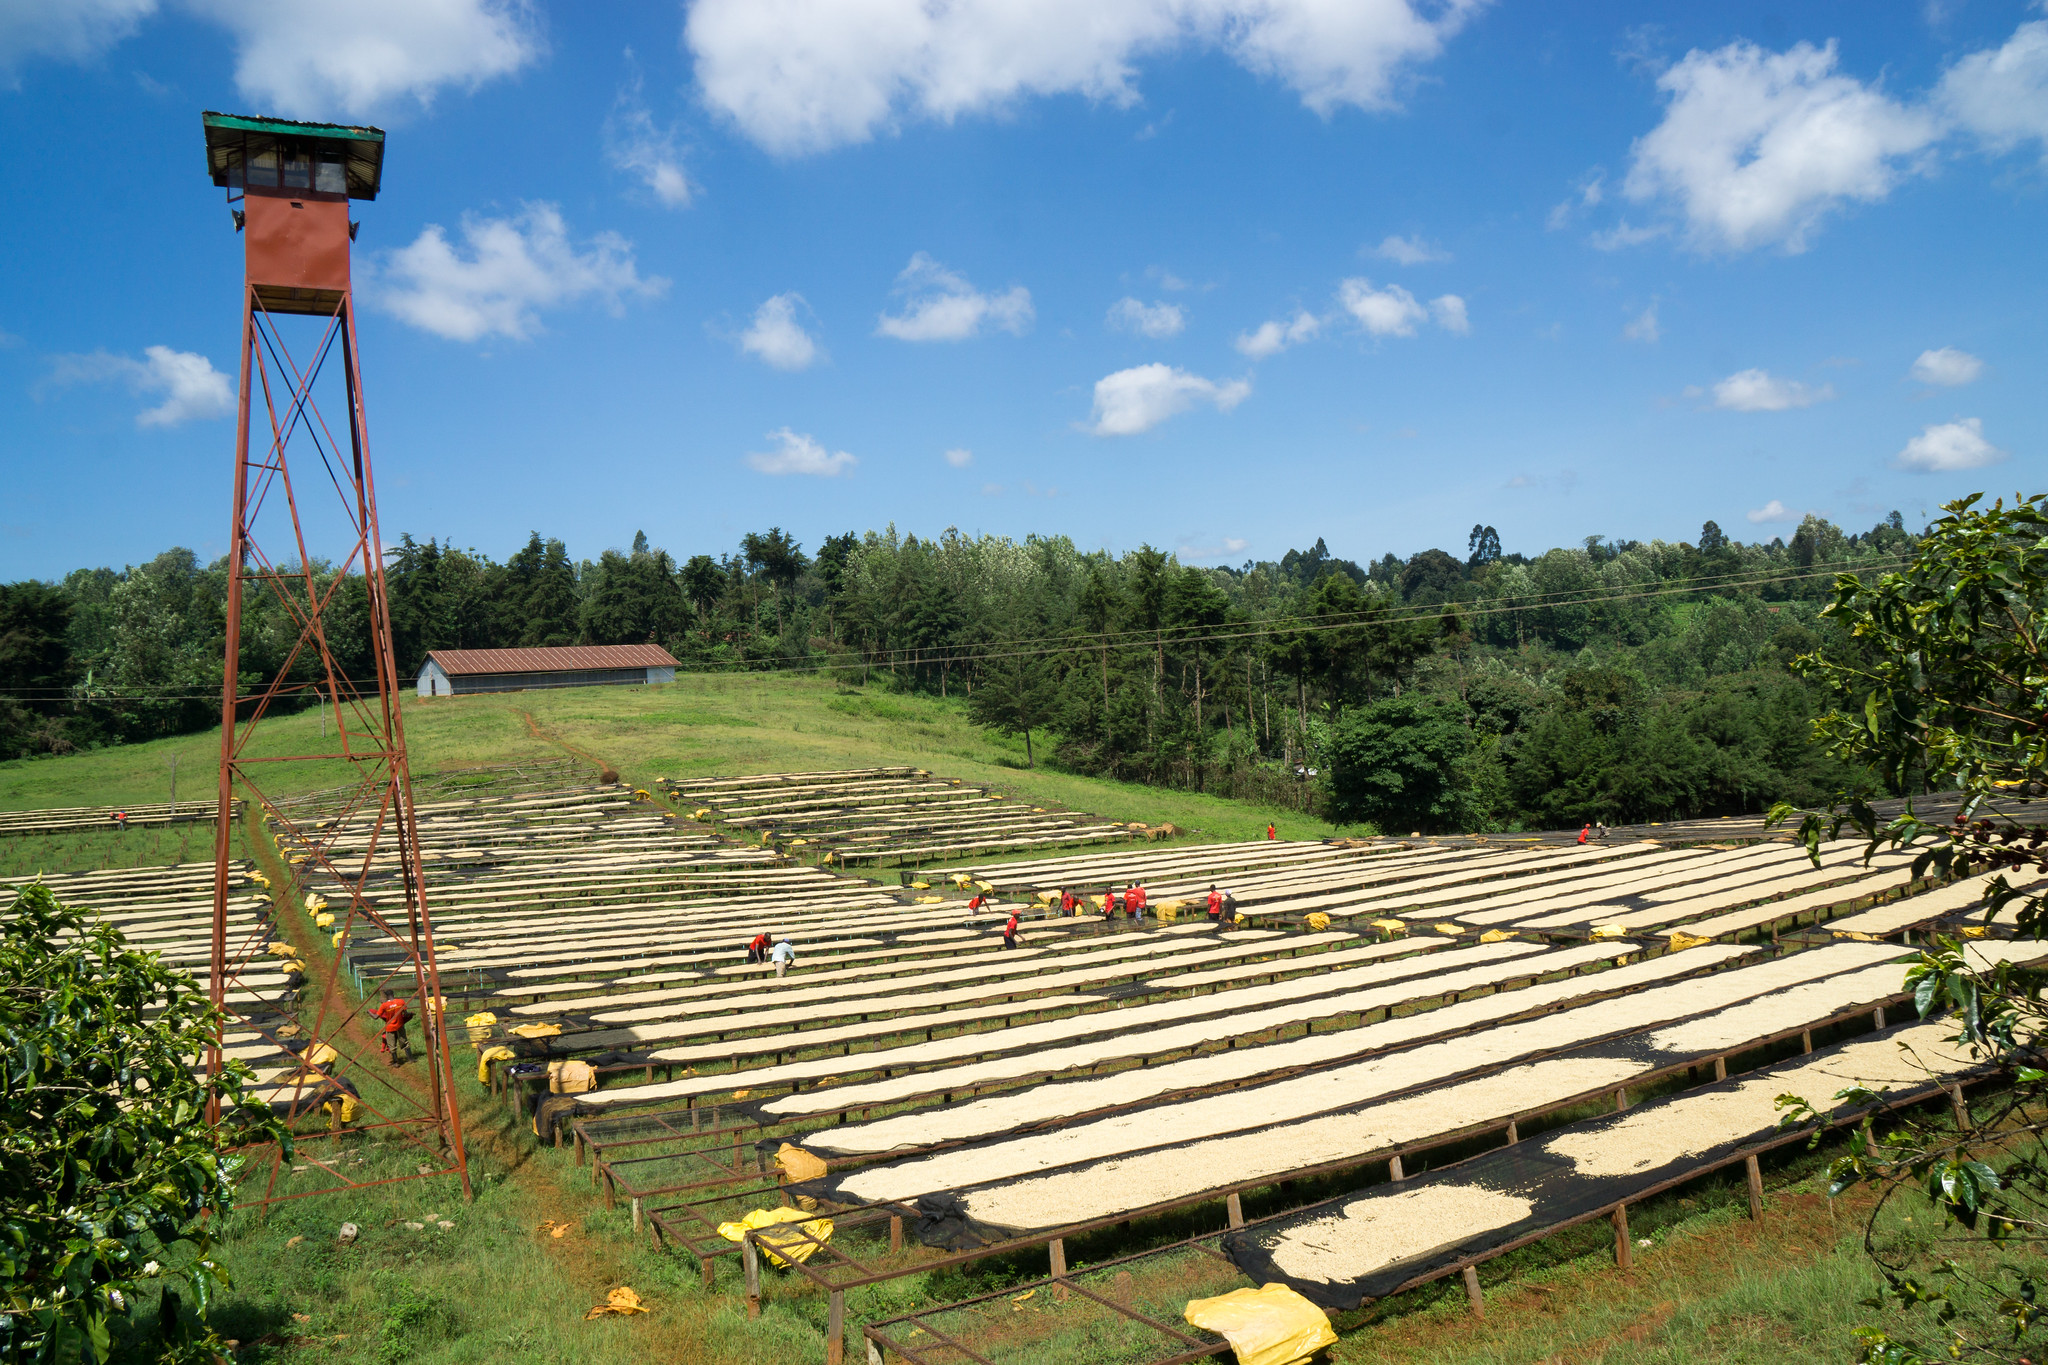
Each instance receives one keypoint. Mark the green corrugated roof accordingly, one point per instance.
(360, 149)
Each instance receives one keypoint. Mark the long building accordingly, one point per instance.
(453, 672)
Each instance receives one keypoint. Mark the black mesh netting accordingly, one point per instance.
(1555, 1194)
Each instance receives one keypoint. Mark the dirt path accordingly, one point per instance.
(535, 730)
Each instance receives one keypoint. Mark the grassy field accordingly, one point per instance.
(699, 726)
(493, 1287)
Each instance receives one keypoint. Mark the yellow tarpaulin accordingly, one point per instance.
(491, 1054)
(1609, 930)
(1495, 936)
(1169, 911)
(536, 1030)
(1269, 1326)
(792, 1247)
(1319, 921)
(1679, 939)
(1388, 926)
(480, 1025)
(1445, 928)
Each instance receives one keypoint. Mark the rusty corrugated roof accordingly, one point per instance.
(555, 659)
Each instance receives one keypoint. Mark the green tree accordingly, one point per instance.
(112, 1177)
(35, 667)
(1947, 690)
(1396, 763)
(1017, 695)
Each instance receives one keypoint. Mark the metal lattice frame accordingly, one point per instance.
(368, 733)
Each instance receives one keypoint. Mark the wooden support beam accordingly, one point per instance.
(751, 1260)
(1756, 1186)
(1472, 1292)
(895, 1233)
(1806, 1040)
(1962, 1109)
(1877, 1017)
(1720, 1068)
(835, 1329)
(1514, 1133)
(1394, 1171)
(1623, 1249)
(1234, 1207)
(1056, 1249)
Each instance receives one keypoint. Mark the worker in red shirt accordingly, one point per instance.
(975, 904)
(1272, 832)
(394, 1014)
(1010, 931)
(1134, 901)
(1585, 831)
(1109, 905)
(1068, 900)
(1215, 905)
(757, 947)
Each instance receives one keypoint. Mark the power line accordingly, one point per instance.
(1091, 643)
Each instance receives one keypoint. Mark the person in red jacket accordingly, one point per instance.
(974, 906)
(394, 1014)
(1585, 832)
(1134, 901)
(1109, 905)
(1272, 832)
(1215, 905)
(757, 947)
(1068, 900)
(1010, 931)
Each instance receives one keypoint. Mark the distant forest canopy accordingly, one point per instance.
(1616, 680)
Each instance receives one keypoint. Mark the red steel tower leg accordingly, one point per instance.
(296, 181)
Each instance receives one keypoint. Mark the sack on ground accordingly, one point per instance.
(791, 1246)
(1269, 1326)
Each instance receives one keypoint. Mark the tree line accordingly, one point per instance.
(1615, 680)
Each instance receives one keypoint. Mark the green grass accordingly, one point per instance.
(701, 726)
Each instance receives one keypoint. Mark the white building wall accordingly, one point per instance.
(433, 682)
(661, 675)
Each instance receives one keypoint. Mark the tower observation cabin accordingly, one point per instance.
(289, 185)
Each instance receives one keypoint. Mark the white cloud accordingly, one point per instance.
(1392, 311)
(2001, 95)
(1229, 545)
(1591, 189)
(1271, 338)
(777, 338)
(1140, 398)
(1755, 147)
(191, 389)
(1945, 447)
(1644, 326)
(634, 145)
(1625, 233)
(315, 59)
(1410, 251)
(64, 30)
(1771, 511)
(1948, 367)
(940, 305)
(1158, 320)
(507, 270)
(959, 457)
(1761, 391)
(1449, 312)
(797, 453)
(802, 76)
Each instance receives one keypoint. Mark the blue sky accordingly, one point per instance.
(1218, 275)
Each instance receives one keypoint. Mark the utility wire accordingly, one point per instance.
(1085, 643)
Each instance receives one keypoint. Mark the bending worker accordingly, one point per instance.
(782, 954)
(757, 947)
